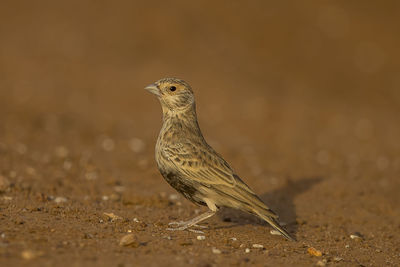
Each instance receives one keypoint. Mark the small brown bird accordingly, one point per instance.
(192, 167)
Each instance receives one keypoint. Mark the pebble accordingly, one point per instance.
(337, 259)
(67, 165)
(135, 220)
(91, 175)
(119, 188)
(314, 252)
(321, 263)
(216, 251)
(274, 232)
(112, 216)
(173, 197)
(129, 240)
(258, 246)
(108, 144)
(60, 200)
(201, 237)
(30, 254)
(136, 145)
(247, 250)
(4, 184)
(356, 237)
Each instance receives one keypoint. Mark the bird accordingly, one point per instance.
(192, 167)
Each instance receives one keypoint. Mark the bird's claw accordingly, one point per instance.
(185, 228)
(177, 223)
(182, 223)
(180, 226)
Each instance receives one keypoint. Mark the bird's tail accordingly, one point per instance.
(274, 223)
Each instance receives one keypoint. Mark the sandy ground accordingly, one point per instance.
(302, 99)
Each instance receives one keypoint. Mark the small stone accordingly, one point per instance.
(314, 252)
(173, 197)
(356, 237)
(105, 198)
(30, 254)
(129, 240)
(347, 246)
(119, 188)
(337, 259)
(67, 165)
(247, 250)
(258, 246)
(216, 251)
(60, 200)
(275, 232)
(4, 184)
(87, 236)
(321, 263)
(112, 217)
(7, 198)
(135, 220)
(108, 144)
(201, 237)
(91, 175)
(136, 145)
(233, 238)
(186, 243)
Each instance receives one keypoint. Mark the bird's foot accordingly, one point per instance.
(180, 226)
(182, 223)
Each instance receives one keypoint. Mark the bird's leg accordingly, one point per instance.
(192, 222)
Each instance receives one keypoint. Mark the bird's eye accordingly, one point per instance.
(172, 88)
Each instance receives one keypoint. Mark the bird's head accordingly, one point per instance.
(174, 94)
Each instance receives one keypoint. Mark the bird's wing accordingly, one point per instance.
(200, 163)
(205, 166)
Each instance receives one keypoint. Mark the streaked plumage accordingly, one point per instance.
(193, 167)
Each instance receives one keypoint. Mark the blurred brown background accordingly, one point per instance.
(286, 91)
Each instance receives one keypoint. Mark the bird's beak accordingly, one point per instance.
(152, 88)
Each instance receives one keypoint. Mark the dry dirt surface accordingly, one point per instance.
(301, 98)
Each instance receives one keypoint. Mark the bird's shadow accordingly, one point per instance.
(281, 201)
